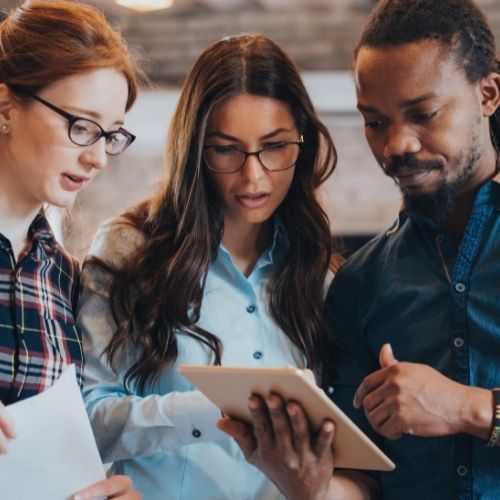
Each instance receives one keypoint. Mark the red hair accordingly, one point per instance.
(43, 41)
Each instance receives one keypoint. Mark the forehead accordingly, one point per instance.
(408, 71)
(101, 92)
(247, 112)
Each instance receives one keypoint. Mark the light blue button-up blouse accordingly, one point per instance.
(166, 440)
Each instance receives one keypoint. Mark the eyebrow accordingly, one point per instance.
(93, 115)
(236, 139)
(406, 104)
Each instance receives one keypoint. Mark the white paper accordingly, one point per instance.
(54, 454)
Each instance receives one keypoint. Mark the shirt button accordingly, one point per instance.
(330, 389)
(460, 287)
(251, 309)
(458, 342)
(439, 239)
(196, 433)
(258, 354)
(462, 470)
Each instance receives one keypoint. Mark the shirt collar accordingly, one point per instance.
(40, 232)
(495, 192)
(279, 245)
(276, 250)
(41, 236)
(489, 193)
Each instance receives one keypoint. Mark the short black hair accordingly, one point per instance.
(459, 24)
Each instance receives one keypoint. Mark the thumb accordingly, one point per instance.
(241, 433)
(386, 357)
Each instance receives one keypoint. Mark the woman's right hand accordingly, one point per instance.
(7, 428)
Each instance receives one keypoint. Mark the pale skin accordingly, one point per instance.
(36, 154)
(116, 487)
(250, 123)
(36, 158)
(415, 99)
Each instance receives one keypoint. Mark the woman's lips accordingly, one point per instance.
(72, 182)
(253, 200)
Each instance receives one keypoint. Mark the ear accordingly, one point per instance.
(5, 102)
(490, 93)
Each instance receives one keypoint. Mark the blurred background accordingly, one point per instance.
(318, 34)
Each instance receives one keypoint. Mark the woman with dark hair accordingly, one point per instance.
(66, 82)
(225, 265)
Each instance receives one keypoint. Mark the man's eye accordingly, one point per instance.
(425, 117)
(374, 124)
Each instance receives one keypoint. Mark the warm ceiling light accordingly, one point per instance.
(145, 5)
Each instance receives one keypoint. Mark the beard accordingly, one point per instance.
(438, 204)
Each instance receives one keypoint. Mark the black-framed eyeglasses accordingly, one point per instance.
(274, 158)
(85, 132)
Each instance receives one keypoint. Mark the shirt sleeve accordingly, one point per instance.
(128, 425)
(350, 358)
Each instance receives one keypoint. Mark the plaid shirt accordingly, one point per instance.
(38, 335)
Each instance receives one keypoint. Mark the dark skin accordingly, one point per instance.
(280, 444)
(415, 99)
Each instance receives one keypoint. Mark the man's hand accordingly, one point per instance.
(410, 398)
(7, 428)
(282, 447)
(115, 487)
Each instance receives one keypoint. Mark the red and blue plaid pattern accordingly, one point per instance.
(38, 334)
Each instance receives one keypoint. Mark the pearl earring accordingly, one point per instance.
(5, 128)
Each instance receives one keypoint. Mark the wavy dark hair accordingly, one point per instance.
(458, 24)
(160, 295)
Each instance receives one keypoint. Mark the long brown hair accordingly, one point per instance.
(161, 293)
(43, 41)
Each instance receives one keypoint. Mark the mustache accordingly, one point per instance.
(410, 162)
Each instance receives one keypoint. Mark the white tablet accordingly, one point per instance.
(230, 387)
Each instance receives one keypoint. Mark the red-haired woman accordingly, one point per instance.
(66, 81)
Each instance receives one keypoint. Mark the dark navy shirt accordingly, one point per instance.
(438, 305)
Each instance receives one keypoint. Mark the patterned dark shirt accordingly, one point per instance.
(437, 304)
(38, 294)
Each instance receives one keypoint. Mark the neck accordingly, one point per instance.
(246, 242)
(15, 216)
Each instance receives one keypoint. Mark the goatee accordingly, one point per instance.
(438, 204)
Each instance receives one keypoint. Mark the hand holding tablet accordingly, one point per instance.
(230, 388)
